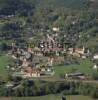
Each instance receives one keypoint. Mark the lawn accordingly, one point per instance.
(85, 67)
(4, 61)
(53, 97)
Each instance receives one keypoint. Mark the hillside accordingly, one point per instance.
(94, 3)
(14, 6)
(65, 3)
(46, 46)
(23, 19)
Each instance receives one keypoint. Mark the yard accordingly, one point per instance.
(85, 66)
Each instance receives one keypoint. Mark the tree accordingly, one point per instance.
(94, 93)
(3, 47)
(95, 76)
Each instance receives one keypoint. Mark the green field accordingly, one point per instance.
(4, 61)
(85, 66)
(50, 97)
(54, 97)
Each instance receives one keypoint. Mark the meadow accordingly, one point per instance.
(54, 97)
(85, 66)
(4, 61)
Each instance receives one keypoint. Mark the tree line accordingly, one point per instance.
(40, 88)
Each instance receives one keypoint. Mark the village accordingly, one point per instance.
(49, 49)
(39, 61)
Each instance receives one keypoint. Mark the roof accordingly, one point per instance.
(75, 74)
(36, 49)
(27, 55)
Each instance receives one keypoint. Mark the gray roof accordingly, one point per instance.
(27, 55)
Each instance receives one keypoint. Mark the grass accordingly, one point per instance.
(52, 97)
(85, 67)
(49, 97)
(4, 61)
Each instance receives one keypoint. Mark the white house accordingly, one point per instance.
(95, 67)
(95, 57)
(55, 29)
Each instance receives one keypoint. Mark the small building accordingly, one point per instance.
(27, 55)
(76, 75)
(9, 84)
(25, 63)
(37, 51)
(80, 50)
(56, 29)
(32, 72)
(95, 66)
(30, 50)
(14, 57)
(70, 50)
(95, 57)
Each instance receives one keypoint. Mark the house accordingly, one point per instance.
(80, 50)
(95, 57)
(76, 55)
(95, 66)
(47, 71)
(19, 52)
(76, 75)
(76, 50)
(25, 63)
(50, 62)
(37, 51)
(32, 72)
(70, 50)
(27, 55)
(9, 84)
(30, 50)
(14, 57)
(56, 29)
